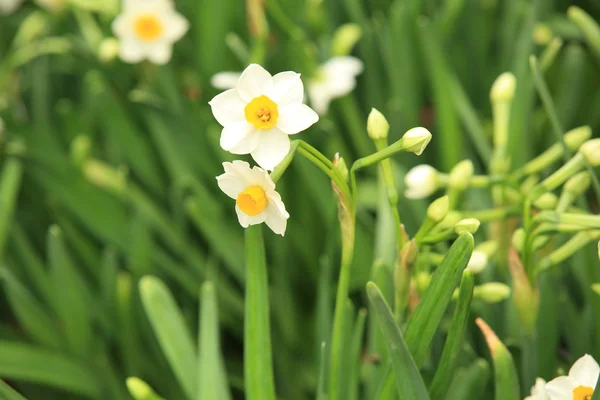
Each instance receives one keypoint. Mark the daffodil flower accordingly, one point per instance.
(259, 114)
(579, 384)
(335, 78)
(9, 6)
(147, 30)
(538, 391)
(256, 200)
(420, 181)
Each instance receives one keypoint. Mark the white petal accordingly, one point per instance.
(9, 6)
(225, 80)
(274, 217)
(160, 53)
(228, 107)
(246, 220)
(287, 88)
(261, 178)
(344, 66)
(538, 391)
(585, 371)
(320, 97)
(255, 81)
(120, 26)
(295, 118)
(176, 25)
(240, 169)
(231, 184)
(561, 388)
(239, 138)
(131, 51)
(272, 148)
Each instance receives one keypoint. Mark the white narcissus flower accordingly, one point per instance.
(147, 30)
(579, 384)
(420, 181)
(225, 80)
(9, 6)
(538, 391)
(256, 200)
(259, 114)
(335, 78)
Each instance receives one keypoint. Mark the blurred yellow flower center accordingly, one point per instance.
(252, 201)
(582, 393)
(148, 27)
(262, 112)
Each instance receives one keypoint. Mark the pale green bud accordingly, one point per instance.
(80, 149)
(542, 34)
(377, 125)
(138, 388)
(438, 209)
(577, 136)
(345, 38)
(422, 280)
(421, 181)
(32, 27)
(547, 201)
(596, 287)
(518, 239)
(460, 175)
(451, 219)
(578, 184)
(105, 176)
(492, 292)
(503, 88)
(489, 247)
(591, 151)
(477, 262)
(108, 50)
(340, 166)
(470, 225)
(415, 140)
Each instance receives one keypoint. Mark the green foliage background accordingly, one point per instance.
(74, 246)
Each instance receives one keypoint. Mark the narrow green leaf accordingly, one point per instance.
(356, 346)
(470, 383)
(27, 363)
(589, 27)
(430, 310)
(409, 382)
(8, 393)
(171, 332)
(258, 364)
(321, 389)
(212, 381)
(447, 364)
(10, 183)
(505, 371)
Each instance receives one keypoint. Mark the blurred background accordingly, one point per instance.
(108, 172)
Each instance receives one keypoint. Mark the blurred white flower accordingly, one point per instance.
(259, 114)
(255, 196)
(538, 391)
(420, 181)
(477, 262)
(147, 30)
(9, 6)
(579, 384)
(335, 78)
(225, 80)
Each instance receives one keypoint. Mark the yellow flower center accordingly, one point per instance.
(252, 201)
(262, 112)
(148, 27)
(582, 393)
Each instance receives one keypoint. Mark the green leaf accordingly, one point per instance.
(470, 383)
(213, 379)
(27, 363)
(409, 382)
(447, 364)
(10, 183)
(258, 364)
(8, 393)
(589, 27)
(171, 332)
(321, 390)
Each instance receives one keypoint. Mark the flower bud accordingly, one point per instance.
(80, 149)
(108, 50)
(477, 262)
(451, 219)
(340, 166)
(596, 288)
(591, 151)
(140, 390)
(492, 292)
(105, 176)
(422, 280)
(503, 88)
(547, 201)
(416, 140)
(518, 239)
(542, 34)
(438, 210)
(576, 137)
(470, 225)
(578, 184)
(377, 125)
(345, 38)
(421, 181)
(460, 175)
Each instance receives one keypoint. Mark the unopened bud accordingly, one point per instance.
(542, 34)
(451, 219)
(518, 239)
(415, 140)
(225, 80)
(422, 280)
(503, 88)
(578, 184)
(576, 137)
(438, 210)
(340, 166)
(460, 175)
(377, 126)
(108, 50)
(591, 151)
(477, 262)
(138, 389)
(345, 38)
(80, 149)
(547, 201)
(596, 288)
(470, 225)
(492, 292)
(421, 181)
(105, 176)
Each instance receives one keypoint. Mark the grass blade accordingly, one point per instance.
(10, 183)
(8, 393)
(409, 382)
(171, 332)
